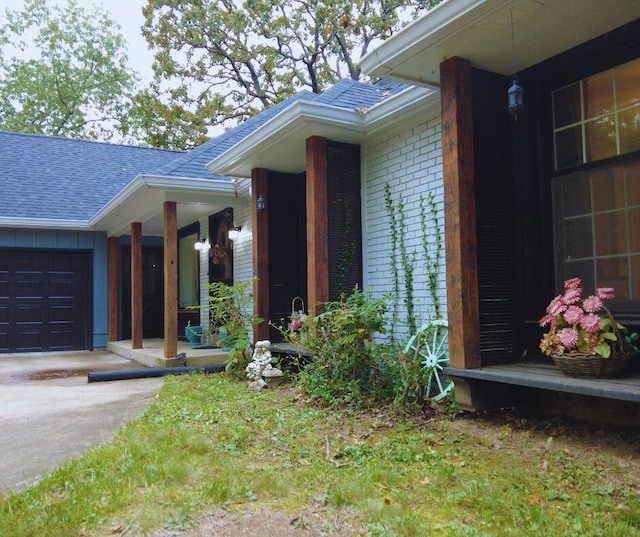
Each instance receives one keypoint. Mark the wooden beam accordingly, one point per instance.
(136, 285)
(112, 253)
(260, 224)
(460, 214)
(317, 225)
(170, 280)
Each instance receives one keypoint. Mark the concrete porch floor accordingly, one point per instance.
(152, 353)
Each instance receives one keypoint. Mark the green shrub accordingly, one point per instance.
(349, 366)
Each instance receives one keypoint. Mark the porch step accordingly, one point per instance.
(152, 353)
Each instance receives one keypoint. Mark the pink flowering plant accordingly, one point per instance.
(578, 325)
(297, 321)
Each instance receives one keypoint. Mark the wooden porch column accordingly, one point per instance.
(112, 253)
(260, 225)
(136, 285)
(460, 214)
(317, 226)
(170, 280)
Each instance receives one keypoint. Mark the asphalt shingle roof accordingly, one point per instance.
(60, 178)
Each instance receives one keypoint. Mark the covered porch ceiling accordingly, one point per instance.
(480, 31)
(143, 200)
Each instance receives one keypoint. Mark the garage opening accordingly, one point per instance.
(45, 300)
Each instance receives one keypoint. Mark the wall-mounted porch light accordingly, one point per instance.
(260, 205)
(201, 245)
(234, 233)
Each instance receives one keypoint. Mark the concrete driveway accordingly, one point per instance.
(49, 413)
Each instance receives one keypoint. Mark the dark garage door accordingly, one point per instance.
(45, 300)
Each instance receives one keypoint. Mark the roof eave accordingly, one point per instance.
(290, 127)
(45, 223)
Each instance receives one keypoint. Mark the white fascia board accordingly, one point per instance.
(296, 118)
(436, 24)
(401, 107)
(45, 223)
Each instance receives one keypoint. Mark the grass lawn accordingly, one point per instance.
(208, 445)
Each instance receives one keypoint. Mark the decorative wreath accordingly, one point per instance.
(219, 252)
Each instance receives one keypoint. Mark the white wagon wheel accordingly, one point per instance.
(430, 345)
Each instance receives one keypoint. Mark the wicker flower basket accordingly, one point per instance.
(591, 365)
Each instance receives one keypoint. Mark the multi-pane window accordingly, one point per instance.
(597, 228)
(597, 211)
(598, 117)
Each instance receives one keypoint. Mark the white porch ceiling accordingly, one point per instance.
(143, 201)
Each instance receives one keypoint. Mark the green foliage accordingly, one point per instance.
(349, 366)
(431, 252)
(393, 230)
(78, 85)
(402, 261)
(231, 318)
(409, 376)
(408, 262)
(224, 61)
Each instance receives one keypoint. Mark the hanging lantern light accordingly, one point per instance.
(515, 98)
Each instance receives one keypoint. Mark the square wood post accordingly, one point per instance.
(136, 285)
(170, 280)
(317, 225)
(460, 214)
(260, 225)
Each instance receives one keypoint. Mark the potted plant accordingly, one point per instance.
(584, 339)
(193, 334)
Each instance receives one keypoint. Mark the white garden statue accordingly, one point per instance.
(260, 367)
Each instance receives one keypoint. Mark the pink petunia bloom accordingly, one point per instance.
(606, 293)
(557, 306)
(590, 322)
(573, 283)
(568, 337)
(592, 304)
(573, 314)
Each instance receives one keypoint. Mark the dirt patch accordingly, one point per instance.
(267, 523)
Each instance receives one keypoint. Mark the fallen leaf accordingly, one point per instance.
(534, 499)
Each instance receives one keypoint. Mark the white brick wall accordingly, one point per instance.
(411, 162)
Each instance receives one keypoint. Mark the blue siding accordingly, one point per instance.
(72, 240)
